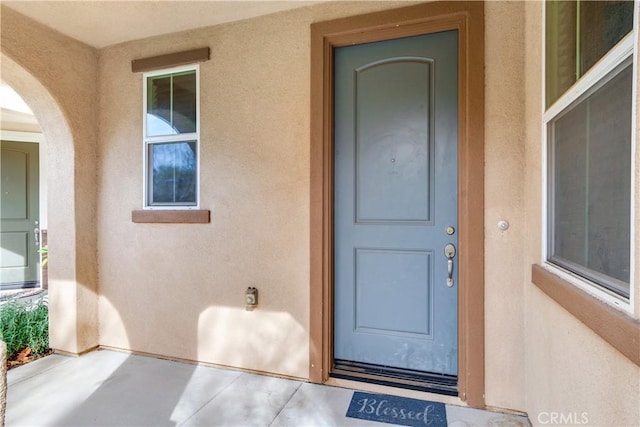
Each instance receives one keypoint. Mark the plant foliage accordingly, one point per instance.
(25, 325)
(44, 251)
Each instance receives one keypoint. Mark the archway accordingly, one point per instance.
(72, 265)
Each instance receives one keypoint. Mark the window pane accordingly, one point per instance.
(171, 104)
(577, 35)
(159, 106)
(184, 102)
(172, 173)
(560, 48)
(591, 184)
(602, 25)
(570, 168)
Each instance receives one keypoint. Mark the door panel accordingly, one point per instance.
(18, 213)
(392, 141)
(15, 173)
(379, 273)
(395, 193)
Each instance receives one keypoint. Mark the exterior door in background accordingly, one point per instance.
(19, 213)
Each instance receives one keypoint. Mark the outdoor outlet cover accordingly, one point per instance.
(251, 298)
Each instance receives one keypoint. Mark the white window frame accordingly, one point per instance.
(627, 47)
(147, 140)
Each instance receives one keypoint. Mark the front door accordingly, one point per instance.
(19, 234)
(395, 209)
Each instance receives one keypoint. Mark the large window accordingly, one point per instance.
(589, 121)
(171, 138)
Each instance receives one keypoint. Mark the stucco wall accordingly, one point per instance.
(504, 177)
(570, 371)
(255, 143)
(177, 290)
(56, 76)
(255, 181)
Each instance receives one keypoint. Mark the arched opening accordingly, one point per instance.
(71, 269)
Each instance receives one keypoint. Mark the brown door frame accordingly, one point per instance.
(468, 19)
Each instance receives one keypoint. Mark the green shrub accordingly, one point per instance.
(25, 325)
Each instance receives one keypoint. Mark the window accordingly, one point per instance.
(171, 138)
(589, 97)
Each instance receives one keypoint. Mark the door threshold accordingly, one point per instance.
(31, 284)
(396, 377)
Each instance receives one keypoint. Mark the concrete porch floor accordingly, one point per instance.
(108, 388)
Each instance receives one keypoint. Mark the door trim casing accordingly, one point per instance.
(468, 19)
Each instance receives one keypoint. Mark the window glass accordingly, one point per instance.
(172, 170)
(560, 48)
(184, 102)
(577, 35)
(602, 25)
(159, 106)
(590, 194)
(171, 138)
(171, 104)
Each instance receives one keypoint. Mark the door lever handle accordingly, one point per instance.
(450, 252)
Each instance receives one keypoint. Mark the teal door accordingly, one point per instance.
(395, 201)
(19, 258)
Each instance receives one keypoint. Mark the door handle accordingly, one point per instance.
(36, 234)
(450, 252)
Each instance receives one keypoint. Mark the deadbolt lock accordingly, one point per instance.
(450, 251)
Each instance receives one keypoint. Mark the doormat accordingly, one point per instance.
(397, 410)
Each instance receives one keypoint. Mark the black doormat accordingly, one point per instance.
(397, 410)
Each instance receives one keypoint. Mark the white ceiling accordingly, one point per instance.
(101, 23)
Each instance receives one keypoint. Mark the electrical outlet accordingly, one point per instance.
(251, 298)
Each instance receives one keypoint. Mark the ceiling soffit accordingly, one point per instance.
(105, 23)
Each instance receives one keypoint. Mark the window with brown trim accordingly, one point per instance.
(171, 138)
(171, 142)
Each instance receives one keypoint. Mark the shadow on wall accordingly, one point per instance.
(62, 218)
(73, 306)
(276, 340)
(104, 404)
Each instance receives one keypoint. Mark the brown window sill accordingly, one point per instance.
(615, 327)
(196, 216)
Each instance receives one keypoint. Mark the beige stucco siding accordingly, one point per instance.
(57, 78)
(255, 168)
(571, 371)
(504, 177)
(176, 290)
